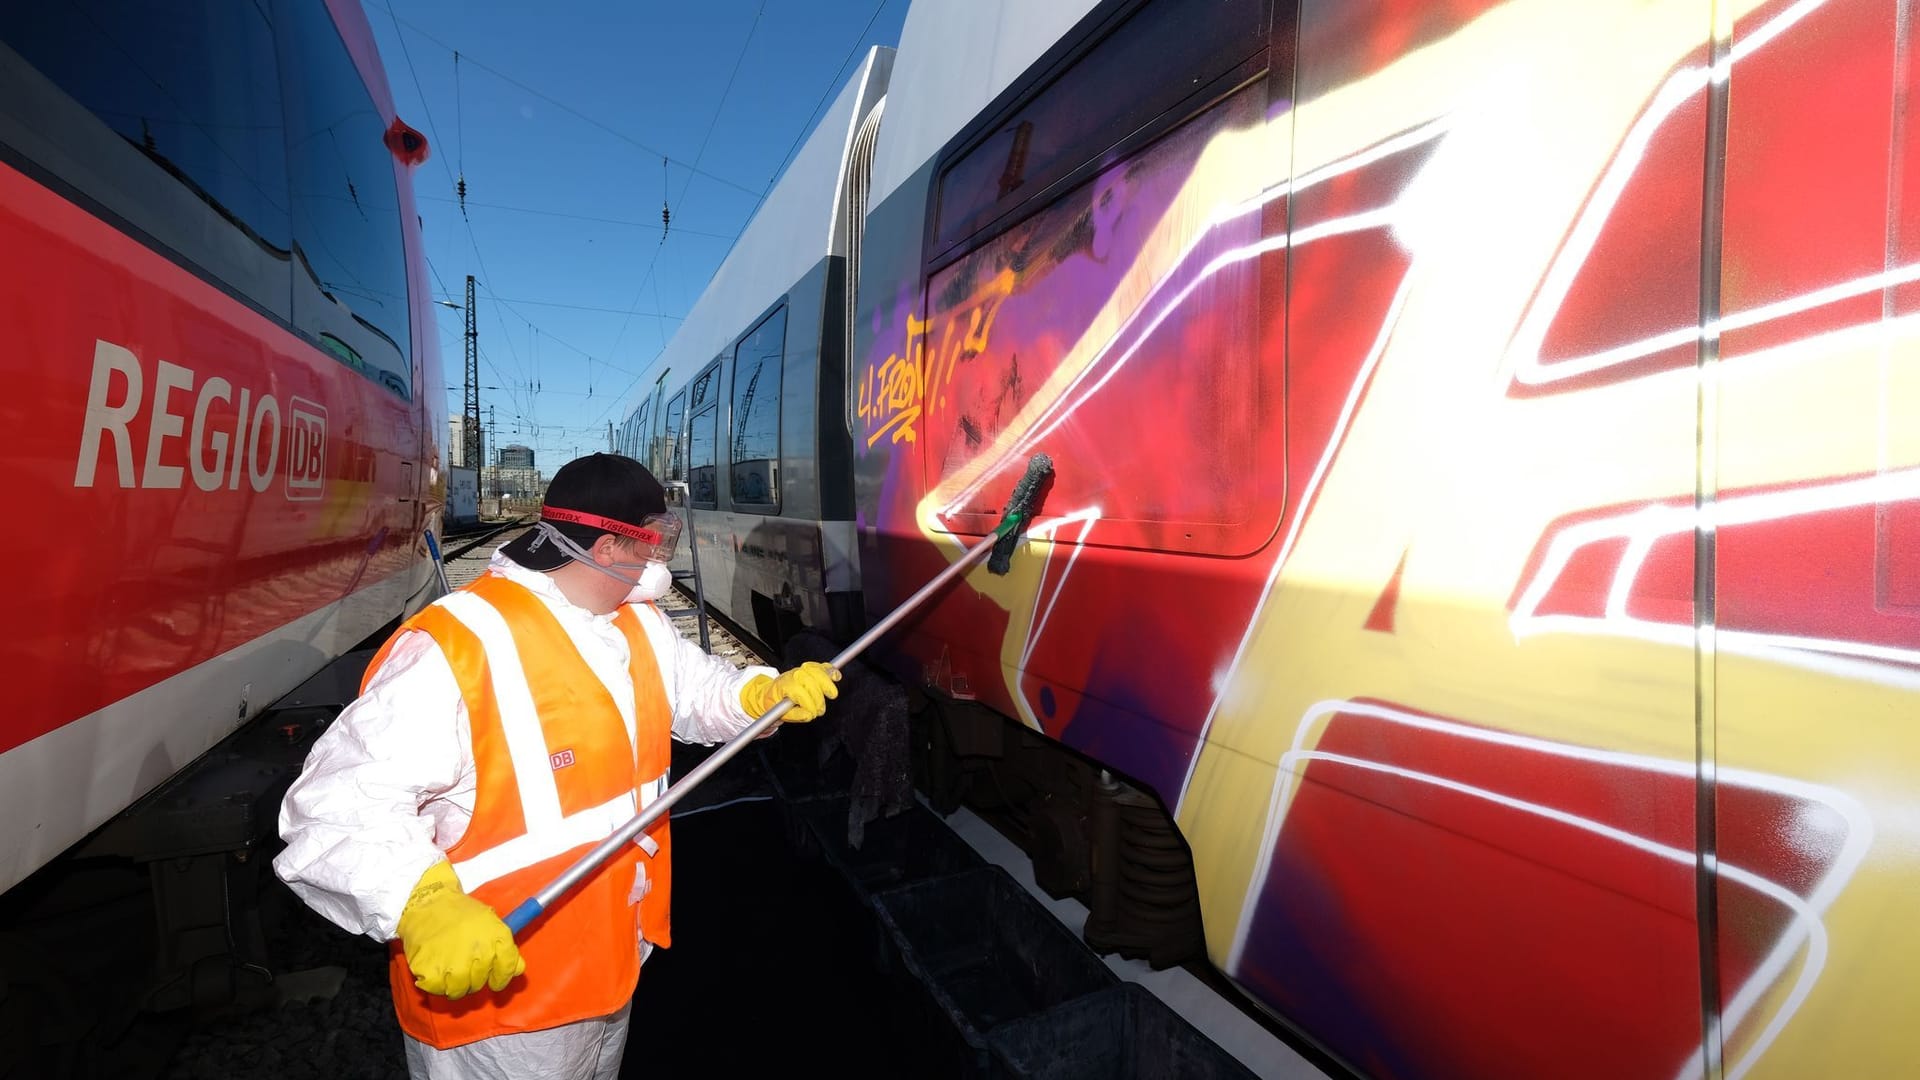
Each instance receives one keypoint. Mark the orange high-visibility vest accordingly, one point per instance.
(555, 775)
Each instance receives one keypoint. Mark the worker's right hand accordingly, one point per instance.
(454, 943)
(809, 685)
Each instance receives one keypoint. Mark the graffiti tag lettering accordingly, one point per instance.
(895, 397)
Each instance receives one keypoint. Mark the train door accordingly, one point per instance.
(634, 442)
(702, 464)
(1476, 713)
(673, 458)
(1811, 670)
(753, 458)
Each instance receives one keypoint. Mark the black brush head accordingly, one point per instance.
(1021, 502)
(1020, 510)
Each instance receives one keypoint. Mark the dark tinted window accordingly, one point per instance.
(755, 455)
(676, 411)
(637, 434)
(193, 87)
(1202, 363)
(350, 280)
(1096, 103)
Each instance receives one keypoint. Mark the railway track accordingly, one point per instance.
(460, 543)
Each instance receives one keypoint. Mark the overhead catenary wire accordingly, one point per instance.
(487, 276)
(634, 308)
(520, 391)
(449, 297)
(459, 184)
(825, 95)
(585, 307)
(665, 207)
(661, 324)
(438, 280)
(523, 381)
(760, 197)
(537, 328)
(678, 228)
(720, 106)
(561, 105)
(433, 132)
(459, 131)
(529, 383)
(526, 384)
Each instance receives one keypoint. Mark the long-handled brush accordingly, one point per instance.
(1000, 542)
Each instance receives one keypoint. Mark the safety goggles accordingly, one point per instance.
(655, 538)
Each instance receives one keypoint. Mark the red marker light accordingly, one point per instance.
(407, 144)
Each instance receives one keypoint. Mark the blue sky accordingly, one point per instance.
(605, 89)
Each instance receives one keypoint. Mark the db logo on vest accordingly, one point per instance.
(561, 760)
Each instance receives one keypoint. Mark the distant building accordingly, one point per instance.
(457, 443)
(518, 483)
(516, 457)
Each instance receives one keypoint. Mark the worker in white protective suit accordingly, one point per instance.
(500, 734)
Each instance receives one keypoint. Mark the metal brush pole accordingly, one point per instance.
(1020, 507)
(519, 917)
(439, 563)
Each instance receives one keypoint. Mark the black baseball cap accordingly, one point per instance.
(600, 485)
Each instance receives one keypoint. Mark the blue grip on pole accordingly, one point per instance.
(519, 917)
(433, 546)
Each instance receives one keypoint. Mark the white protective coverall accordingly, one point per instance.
(390, 785)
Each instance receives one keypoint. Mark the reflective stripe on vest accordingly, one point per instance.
(555, 774)
(586, 827)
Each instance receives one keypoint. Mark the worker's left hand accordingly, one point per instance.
(809, 685)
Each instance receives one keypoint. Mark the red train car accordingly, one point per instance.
(224, 422)
(1488, 509)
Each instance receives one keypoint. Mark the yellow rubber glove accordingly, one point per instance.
(809, 685)
(454, 943)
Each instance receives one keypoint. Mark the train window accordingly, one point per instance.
(755, 456)
(1134, 299)
(178, 127)
(1093, 105)
(703, 474)
(703, 438)
(656, 435)
(636, 447)
(704, 385)
(676, 411)
(350, 276)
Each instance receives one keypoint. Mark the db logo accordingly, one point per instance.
(306, 450)
(561, 760)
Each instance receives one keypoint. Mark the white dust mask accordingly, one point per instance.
(654, 582)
